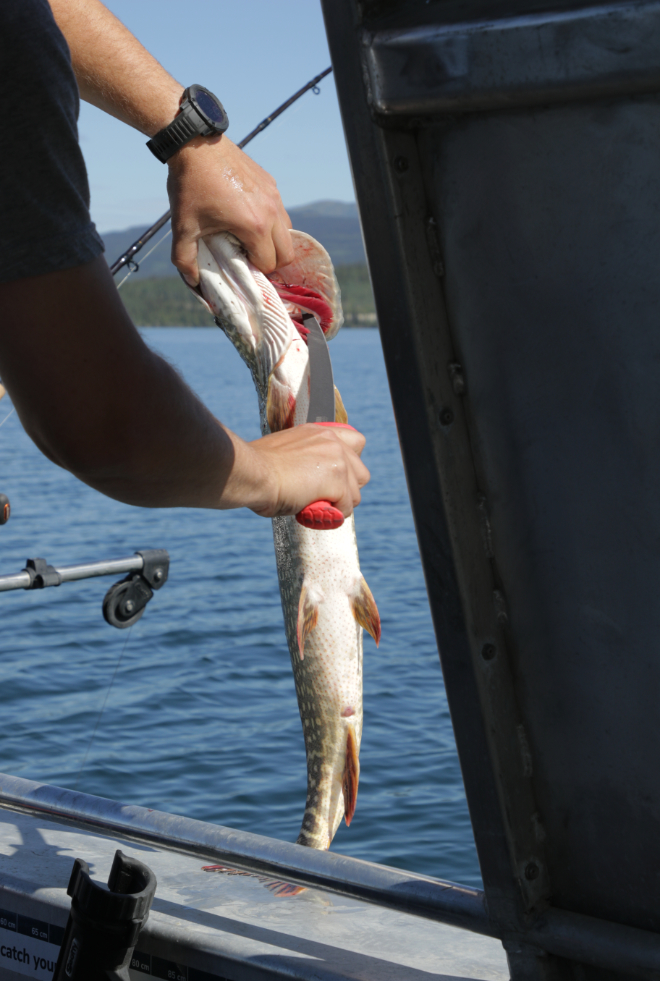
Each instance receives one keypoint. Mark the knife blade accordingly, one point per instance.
(321, 383)
(321, 515)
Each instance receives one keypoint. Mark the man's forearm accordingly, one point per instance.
(114, 71)
(100, 403)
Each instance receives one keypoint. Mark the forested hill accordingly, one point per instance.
(334, 223)
(165, 301)
(155, 296)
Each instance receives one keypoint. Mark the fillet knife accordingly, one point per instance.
(321, 515)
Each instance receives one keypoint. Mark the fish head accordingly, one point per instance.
(244, 303)
(309, 285)
(262, 315)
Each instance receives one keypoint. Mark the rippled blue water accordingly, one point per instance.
(202, 719)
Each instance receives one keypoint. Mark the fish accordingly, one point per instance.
(326, 601)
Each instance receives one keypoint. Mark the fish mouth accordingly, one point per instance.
(301, 299)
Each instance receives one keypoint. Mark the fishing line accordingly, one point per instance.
(7, 416)
(152, 249)
(105, 702)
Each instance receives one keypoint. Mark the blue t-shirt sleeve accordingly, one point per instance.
(45, 224)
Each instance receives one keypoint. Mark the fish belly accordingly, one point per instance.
(327, 667)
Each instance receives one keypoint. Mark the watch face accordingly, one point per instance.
(209, 106)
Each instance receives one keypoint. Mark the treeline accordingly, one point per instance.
(167, 302)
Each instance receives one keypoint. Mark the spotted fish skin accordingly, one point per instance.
(325, 599)
(322, 566)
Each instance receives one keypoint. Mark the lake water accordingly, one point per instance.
(201, 719)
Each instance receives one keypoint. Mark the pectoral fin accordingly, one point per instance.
(350, 779)
(341, 415)
(308, 615)
(365, 610)
(280, 406)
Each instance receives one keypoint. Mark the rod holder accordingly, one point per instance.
(105, 921)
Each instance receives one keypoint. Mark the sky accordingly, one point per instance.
(252, 54)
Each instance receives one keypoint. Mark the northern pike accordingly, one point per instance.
(325, 599)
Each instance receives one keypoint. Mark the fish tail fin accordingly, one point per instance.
(341, 415)
(280, 406)
(365, 610)
(351, 777)
(308, 615)
(280, 888)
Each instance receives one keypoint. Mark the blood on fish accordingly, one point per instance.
(308, 299)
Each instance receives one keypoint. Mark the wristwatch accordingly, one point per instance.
(201, 114)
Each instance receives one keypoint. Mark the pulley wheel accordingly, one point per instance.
(122, 607)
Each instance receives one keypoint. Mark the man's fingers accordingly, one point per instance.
(261, 251)
(350, 474)
(352, 438)
(310, 463)
(284, 250)
(184, 257)
(349, 500)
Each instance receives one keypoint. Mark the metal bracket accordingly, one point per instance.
(41, 574)
(124, 603)
(156, 566)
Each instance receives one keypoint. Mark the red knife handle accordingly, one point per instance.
(322, 515)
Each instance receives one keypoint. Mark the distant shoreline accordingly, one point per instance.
(165, 301)
(345, 326)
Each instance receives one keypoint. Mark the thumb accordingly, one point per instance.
(184, 257)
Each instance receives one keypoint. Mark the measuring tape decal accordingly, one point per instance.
(30, 946)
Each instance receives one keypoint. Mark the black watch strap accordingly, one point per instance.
(184, 127)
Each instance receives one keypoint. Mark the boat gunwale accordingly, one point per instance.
(353, 878)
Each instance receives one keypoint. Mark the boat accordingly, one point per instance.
(506, 167)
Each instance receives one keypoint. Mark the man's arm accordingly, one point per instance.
(213, 186)
(100, 403)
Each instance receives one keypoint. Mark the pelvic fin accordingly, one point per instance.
(341, 415)
(365, 610)
(280, 406)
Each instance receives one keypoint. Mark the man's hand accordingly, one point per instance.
(295, 467)
(213, 187)
(100, 403)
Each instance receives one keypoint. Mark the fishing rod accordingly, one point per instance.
(127, 258)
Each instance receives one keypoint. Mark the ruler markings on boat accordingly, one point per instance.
(30, 946)
(150, 966)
